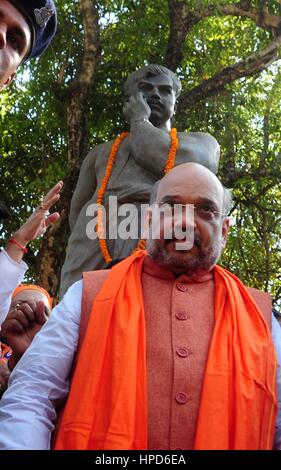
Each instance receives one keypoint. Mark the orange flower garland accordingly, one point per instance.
(173, 151)
(101, 192)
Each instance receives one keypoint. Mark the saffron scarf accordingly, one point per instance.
(107, 403)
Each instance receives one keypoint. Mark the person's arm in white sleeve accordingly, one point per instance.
(41, 377)
(34, 227)
(11, 274)
(276, 336)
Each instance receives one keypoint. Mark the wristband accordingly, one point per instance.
(14, 242)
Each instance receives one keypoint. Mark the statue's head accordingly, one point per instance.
(160, 88)
(149, 71)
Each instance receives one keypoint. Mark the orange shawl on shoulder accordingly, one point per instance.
(107, 403)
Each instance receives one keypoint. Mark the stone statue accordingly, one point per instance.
(151, 95)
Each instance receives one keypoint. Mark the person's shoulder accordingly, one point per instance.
(202, 137)
(104, 148)
(95, 277)
(97, 148)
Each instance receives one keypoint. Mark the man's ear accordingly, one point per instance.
(9, 80)
(224, 230)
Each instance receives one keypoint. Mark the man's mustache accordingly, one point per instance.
(171, 238)
(155, 102)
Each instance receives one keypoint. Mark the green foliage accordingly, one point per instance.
(245, 117)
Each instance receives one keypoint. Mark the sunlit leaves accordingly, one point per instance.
(245, 117)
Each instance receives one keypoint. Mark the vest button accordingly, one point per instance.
(181, 315)
(181, 398)
(182, 352)
(182, 287)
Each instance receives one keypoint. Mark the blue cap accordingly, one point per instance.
(41, 16)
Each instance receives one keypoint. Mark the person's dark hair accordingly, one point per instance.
(148, 71)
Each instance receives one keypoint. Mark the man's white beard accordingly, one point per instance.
(198, 263)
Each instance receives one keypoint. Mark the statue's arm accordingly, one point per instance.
(149, 145)
(199, 147)
(150, 148)
(85, 188)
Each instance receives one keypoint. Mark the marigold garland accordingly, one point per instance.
(101, 192)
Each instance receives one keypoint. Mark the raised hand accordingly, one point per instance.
(136, 108)
(37, 223)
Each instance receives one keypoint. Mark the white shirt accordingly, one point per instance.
(26, 409)
(11, 275)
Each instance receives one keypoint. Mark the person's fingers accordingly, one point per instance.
(47, 311)
(52, 218)
(28, 309)
(40, 313)
(48, 203)
(12, 326)
(18, 315)
(53, 192)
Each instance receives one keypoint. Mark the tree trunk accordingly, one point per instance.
(52, 251)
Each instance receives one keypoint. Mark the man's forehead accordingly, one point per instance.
(191, 185)
(161, 79)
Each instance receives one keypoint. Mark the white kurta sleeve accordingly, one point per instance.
(11, 275)
(27, 411)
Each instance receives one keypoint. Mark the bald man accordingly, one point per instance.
(171, 351)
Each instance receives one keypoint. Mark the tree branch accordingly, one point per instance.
(244, 9)
(77, 96)
(183, 18)
(182, 21)
(250, 66)
(81, 87)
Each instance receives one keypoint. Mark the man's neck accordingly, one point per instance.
(166, 271)
(164, 126)
(193, 275)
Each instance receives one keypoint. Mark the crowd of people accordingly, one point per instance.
(165, 350)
